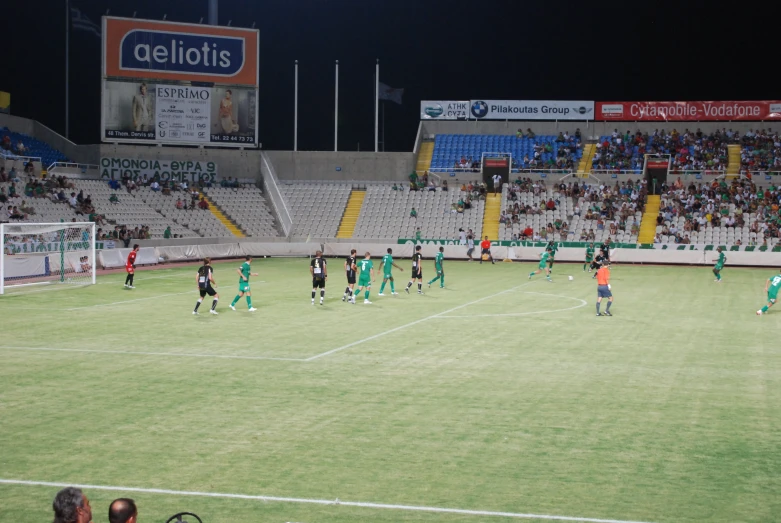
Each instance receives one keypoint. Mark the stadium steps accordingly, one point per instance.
(493, 209)
(227, 222)
(648, 223)
(351, 212)
(584, 167)
(424, 156)
(733, 165)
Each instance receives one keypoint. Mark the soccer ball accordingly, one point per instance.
(571, 278)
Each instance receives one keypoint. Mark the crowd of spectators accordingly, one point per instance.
(690, 151)
(761, 151)
(559, 153)
(719, 204)
(423, 182)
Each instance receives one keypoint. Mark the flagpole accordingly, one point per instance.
(336, 109)
(295, 111)
(376, 105)
(383, 126)
(67, 67)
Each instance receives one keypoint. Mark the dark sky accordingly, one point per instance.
(435, 49)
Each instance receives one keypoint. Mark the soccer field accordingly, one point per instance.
(498, 395)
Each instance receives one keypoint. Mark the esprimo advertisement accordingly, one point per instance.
(183, 93)
(181, 52)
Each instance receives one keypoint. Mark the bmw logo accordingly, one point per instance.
(479, 109)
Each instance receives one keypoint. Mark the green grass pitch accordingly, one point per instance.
(494, 394)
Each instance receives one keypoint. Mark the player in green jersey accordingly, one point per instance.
(719, 264)
(244, 290)
(552, 247)
(589, 257)
(386, 265)
(365, 279)
(543, 265)
(772, 286)
(438, 261)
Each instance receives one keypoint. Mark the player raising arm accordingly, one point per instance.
(719, 264)
(350, 268)
(366, 278)
(543, 266)
(772, 285)
(130, 266)
(603, 289)
(438, 261)
(387, 264)
(205, 280)
(244, 274)
(319, 272)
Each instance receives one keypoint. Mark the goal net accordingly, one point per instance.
(47, 254)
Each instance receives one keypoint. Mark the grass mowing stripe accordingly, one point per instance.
(361, 504)
(138, 353)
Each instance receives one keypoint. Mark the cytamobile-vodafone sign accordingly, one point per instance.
(689, 111)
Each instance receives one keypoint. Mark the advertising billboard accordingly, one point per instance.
(689, 111)
(185, 84)
(444, 110)
(531, 110)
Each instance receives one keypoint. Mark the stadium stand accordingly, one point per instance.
(386, 213)
(464, 151)
(247, 207)
(316, 208)
(32, 147)
(736, 213)
(571, 212)
(760, 151)
(201, 221)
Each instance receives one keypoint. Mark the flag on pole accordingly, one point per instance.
(390, 93)
(80, 22)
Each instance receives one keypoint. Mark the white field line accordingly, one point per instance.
(583, 303)
(412, 323)
(360, 504)
(138, 353)
(128, 301)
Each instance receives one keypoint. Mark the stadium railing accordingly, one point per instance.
(271, 186)
(86, 170)
(10, 156)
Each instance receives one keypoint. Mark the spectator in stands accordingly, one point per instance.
(184, 185)
(72, 201)
(413, 213)
(7, 142)
(113, 198)
(444, 185)
(71, 505)
(431, 185)
(26, 209)
(519, 133)
(180, 203)
(113, 184)
(13, 176)
(20, 147)
(395, 187)
(155, 186)
(167, 232)
(203, 204)
(14, 214)
(122, 510)
(166, 188)
(3, 175)
(497, 179)
(530, 133)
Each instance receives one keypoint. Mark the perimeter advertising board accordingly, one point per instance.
(532, 109)
(183, 84)
(444, 110)
(722, 111)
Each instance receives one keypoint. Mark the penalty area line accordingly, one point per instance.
(139, 353)
(336, 502)
(412, 323)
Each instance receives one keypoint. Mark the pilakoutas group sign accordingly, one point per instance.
(689, 111)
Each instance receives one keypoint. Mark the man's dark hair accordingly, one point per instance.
(417, 247)
(135, 246)
(121, 510)
(66, 503)
(248, 258)
(207, 261)
(353, 251)
(390, 251)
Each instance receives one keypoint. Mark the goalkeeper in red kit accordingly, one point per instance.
(130, 266)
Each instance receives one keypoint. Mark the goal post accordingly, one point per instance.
(47, 254)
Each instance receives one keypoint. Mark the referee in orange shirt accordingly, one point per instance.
(485, 248)
(603, 289)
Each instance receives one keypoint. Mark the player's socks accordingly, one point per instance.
(249, 302)
(214, 303)
(442, 281)
(409, 284)
(322, 295)
(420, 288)
(393, 288)
(598, 307)
(764, 309)
(197, 304)
(127, 280)
(607, 309)
(235, 300)
(366, 295)
(382, 287)
(346, 292)
(130, 276)
(718, 276)
(584, 267)
(313, 296)
(530, 275)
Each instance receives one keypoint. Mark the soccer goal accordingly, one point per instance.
(47, 254)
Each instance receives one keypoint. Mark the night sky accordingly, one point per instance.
(434, 49)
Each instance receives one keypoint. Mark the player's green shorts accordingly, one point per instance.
(718, 266)
(542, 265)
(589, 259)
(244, 286)
(439, 270)
(387, 276)
(364, 282)
(772, 296)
